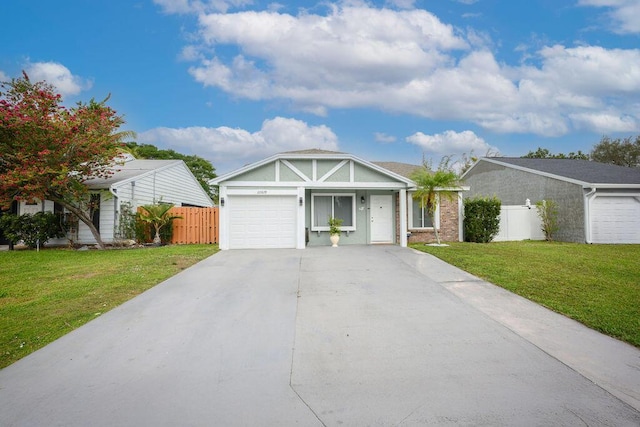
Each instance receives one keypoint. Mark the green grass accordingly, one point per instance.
(598, 285)
(46, 294)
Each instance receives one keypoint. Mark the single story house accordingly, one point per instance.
(597, 202)
(285, 201)
(136, 182)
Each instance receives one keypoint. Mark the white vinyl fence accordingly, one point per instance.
(519, 223)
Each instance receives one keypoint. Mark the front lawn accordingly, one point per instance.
(598, 285)
(46, 294)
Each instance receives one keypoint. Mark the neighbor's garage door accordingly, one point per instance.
(262, 222)
(616, 220)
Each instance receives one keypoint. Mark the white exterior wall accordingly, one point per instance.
(174, 184)
(107, 212)
(24, 208)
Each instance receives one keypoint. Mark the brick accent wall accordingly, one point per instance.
(448, 230)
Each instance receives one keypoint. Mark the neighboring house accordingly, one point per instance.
(597, 202)
(137, 182)
(285, 201)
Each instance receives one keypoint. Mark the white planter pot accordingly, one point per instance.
(334, 240)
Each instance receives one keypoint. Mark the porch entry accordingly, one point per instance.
(381, 218)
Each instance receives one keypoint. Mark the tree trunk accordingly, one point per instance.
(435, 229)
(82, 216)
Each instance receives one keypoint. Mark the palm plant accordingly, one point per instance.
(432, 186)
(158, 216)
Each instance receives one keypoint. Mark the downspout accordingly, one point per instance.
(116, 209)
(587, 215)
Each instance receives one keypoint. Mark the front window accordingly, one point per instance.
(420, 216)
(341, 206)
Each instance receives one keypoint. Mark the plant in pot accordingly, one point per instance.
(334, 230)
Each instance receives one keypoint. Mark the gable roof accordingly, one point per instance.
(402, 169)
(582, 172)
(129, 171)
(314, 154)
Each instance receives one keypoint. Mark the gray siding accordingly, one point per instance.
(513, 187)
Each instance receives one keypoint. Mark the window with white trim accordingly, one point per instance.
(419, 217)
(339, 205)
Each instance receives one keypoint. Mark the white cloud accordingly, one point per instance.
(384, 138)
(4, 77)
(230, 148)
(605, 123)
(59, 76)
(451, 143)
(333, 59)
(622, 13)
(409, 62)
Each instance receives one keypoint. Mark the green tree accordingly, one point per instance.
(158, 216)
(48, 151)
(433, 186)
(621, 152)
(543, 153)
(201, 168)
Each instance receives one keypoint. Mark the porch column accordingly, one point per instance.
(403, 218)
(300, 233)
(223, 219)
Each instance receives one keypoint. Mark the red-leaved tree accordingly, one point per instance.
(48, 151)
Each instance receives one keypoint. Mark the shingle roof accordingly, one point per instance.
(580, 170)
(402, 169)
(312, 151)
(130, 169)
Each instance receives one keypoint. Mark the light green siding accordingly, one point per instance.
(304, 166)
(341, 175)
(358, 237)
(324, 166)
(365, 174)
(287, 175)
(263, 173)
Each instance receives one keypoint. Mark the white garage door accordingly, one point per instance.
(262, 222)
(616, 220)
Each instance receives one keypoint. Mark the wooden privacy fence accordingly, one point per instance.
(197, 225)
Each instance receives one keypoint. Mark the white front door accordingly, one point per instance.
(381, 219)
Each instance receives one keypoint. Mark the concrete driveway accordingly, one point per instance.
(355, 336)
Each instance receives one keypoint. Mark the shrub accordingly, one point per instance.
(126, 222)
(31, 229)
(481, 219)
(159, 217)
(548, 213)
(144, 232)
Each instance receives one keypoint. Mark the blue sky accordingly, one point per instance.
(235, 81)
